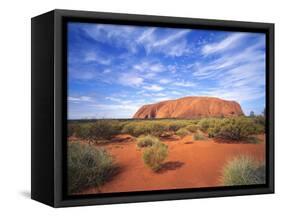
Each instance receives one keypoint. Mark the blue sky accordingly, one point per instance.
(115, 69)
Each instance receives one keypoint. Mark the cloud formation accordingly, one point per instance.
(125, 67)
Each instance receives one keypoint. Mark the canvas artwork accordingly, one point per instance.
(156, 108)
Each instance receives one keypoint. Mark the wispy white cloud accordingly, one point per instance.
(148, 69)
(230, 93)
(165, 81)
(229, 42)
(80, 99)
(154, 87)
(149, 65)
(130, 79)
(184, 83)
(146, 35)
(229, 60)
(243, 84)
(119, 100)
(120, 36)
(170, 39)
(174, 92)
(161, 99)
(93, 57)
(173, 44)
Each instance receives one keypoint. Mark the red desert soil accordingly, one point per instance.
(190, 164)
(190, 107)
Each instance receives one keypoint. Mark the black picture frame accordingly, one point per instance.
(49, 107)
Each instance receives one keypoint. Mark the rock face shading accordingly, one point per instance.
(190, 107)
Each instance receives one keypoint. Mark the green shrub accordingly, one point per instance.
(141, 128)
(212, 132)
(260, 123)
(129, 128)
(199, 136)
(207, 123)
(145, 141)
(243, 170)
(155, 128)
(102, 130)
(87, 167)
(71, 129)
(182, 132)
(95, 131)
(83, 131)
(174, 126)
(235, 128)
(155, 155)
(115, 125)
(260, 119)
(192, 128)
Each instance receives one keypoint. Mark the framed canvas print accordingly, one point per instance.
(131, 108)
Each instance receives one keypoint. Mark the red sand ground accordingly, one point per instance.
(190, 164)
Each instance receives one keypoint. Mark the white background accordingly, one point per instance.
(15, 106)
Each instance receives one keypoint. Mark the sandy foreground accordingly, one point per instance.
(190, 164)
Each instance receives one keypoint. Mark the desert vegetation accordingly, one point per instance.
(88, 167)
(243, 170)
(234, 128)
(199, 136)
(96, 131)
(94, 143)
(146, 141)
(191, 119)
(182, 132)
(239, 128)
(155, 155)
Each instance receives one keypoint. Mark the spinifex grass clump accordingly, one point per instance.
(243, 170)
(192, 128)
(155, 155)
(146, 141)
(182, 132)
(199, 136)
(88, 166)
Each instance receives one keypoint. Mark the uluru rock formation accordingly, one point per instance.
(190, 107)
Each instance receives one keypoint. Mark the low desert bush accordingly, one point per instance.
(95, 131)
(260, 119)
(157, 128)
(175, 125)
(83, 131)
(129, 128)
(235, 128)
(138, 128)
(88, 167)
(141, 128)
(199, 136)
(145, 141)
(243, 170)
(70, 130)
(155, 155)
(192, 128)
(260, 128)
(102, 130)
(182, 132)
(207, 123)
